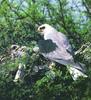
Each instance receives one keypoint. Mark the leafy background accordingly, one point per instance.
(19, 20)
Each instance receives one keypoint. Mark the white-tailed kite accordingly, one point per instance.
(18, 52)
(56, 47)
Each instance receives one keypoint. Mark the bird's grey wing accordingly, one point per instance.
(63, 41)
(50, 50)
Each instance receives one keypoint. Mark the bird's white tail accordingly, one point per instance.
(76, 71)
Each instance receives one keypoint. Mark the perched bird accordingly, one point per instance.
(56, 47)
(18, 52)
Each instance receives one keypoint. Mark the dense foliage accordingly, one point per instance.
(19, 20)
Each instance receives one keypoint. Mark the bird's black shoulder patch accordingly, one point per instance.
(47, 46)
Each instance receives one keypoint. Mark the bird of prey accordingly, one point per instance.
(56, 47)
(18, 52)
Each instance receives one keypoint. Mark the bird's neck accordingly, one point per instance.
(49, 34)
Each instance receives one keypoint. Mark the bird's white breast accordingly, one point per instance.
(49, 34)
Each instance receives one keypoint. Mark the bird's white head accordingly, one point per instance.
(46, 29)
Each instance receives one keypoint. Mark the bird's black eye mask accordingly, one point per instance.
(14, 47)
(43, 27)
(46, 46)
